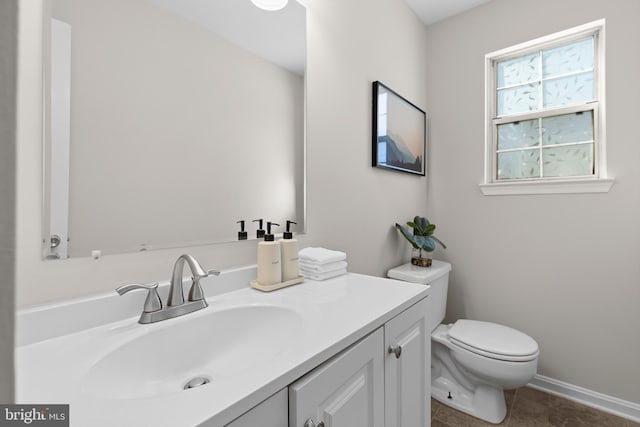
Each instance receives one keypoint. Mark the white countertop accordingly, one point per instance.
(333, 315)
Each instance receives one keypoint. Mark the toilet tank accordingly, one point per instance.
(437, 276)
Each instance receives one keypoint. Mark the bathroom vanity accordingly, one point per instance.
(353, 350)
(379, 381)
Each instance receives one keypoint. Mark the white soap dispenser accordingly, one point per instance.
(289, 257)
(269, 266)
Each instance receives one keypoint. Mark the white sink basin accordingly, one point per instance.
(214, 343)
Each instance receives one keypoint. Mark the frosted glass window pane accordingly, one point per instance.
(569, 58)
(519, 99)
(518, 70)
(519, 164)
(568, 90)
(577, 127)
(518, 135)
(575, 160)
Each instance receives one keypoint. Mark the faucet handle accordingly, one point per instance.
(196, 293)
(152, 303)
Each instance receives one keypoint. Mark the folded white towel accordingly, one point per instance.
(320, 275)
(324, 276)
(321, 268)
(321, 255)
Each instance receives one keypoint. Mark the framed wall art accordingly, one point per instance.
(399, 132)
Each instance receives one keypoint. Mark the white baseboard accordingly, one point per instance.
(602, 402)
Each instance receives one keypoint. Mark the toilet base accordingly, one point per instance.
(485, 402)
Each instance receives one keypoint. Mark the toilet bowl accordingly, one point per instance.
(472, 362)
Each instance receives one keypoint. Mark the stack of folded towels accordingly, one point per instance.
(321, 263)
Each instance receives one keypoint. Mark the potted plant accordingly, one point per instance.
(421, 238)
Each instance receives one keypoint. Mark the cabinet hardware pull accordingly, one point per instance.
(310, 423)
(395, 349)
(55, 241)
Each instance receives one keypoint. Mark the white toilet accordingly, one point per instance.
(471, 361)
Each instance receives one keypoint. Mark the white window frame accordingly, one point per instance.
(600, 182)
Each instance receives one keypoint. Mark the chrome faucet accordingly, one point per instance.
(176, 296)
(176, 306)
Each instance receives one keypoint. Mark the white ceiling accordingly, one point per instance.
(431, 11)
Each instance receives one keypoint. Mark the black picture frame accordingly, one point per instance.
(399, 132)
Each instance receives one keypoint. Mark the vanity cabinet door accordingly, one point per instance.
(407, 368)
(346, 391)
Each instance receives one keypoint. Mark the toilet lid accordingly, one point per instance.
(493, 340)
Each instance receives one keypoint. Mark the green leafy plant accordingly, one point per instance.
(422, 237)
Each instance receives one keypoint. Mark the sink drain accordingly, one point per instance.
(196, 382)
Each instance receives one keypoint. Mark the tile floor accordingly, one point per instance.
(527, 407)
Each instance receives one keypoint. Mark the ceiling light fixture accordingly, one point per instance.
(270, 4)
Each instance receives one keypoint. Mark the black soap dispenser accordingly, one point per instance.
(242, 235)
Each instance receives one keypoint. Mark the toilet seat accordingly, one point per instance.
(493, 340)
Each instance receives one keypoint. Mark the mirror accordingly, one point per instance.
(166, 121)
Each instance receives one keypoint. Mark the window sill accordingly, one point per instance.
(565, 186)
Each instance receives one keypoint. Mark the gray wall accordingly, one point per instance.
(8, 59)
(352, 206)
(562, 268)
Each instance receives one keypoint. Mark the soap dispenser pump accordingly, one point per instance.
(259, 231)
(269, 256)
(289, 256)
(242, 235)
